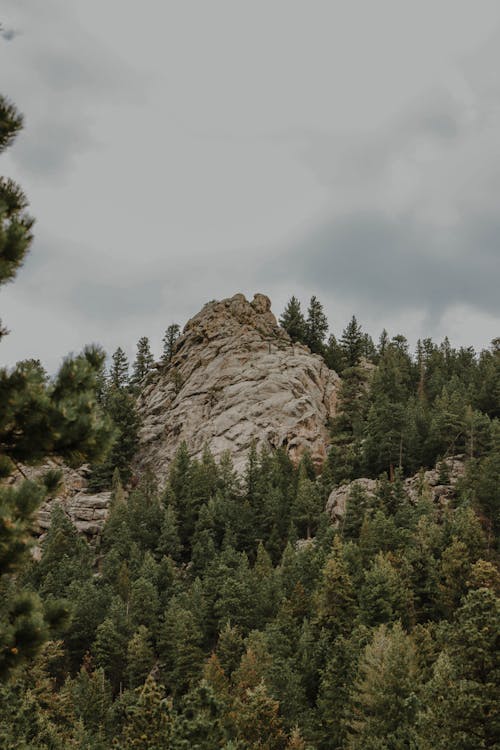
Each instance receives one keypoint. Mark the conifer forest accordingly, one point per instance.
(233, 609)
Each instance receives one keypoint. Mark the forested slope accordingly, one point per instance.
(227, 610)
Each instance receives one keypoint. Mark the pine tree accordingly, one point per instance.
(383, 597)
(316, 326)
(110, 645)
(144, 361)
(335, 599)
(461, 700)
(169, 543)
(120, 407)
(15, 222)
(230, 648)
(169, 342)
(118, 374)
(149, 721)
(334, 356)
(307, 506)
(179, 648)
(293, 321)
(200, 722)
(352, 343)
(38, 418)
(90, 694)
(384, 701)
(348, 426)
(140, 656)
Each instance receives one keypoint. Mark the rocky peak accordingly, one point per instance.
(236, 378)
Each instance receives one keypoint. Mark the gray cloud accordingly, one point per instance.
(393, 264)
(178, 157)
(100, 301)
(51, 151)
(8, 34)
(64, 76)
(434, 119)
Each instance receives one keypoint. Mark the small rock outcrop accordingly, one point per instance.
(439, 484)
(235, 379)
(87, 512)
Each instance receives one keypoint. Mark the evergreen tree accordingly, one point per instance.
(462, 698)
(15, 222)
(352, 343)
(200, 723)
(90, 694)
(307, 506)
(169, 543)
(38, 418)
(149, 719)
(383, 597)
(293, 321)
(144, 361)
(334, 356)
(140, 657)
(120, 407)
(179, 646)
(258, 721)
(118, 374)
(316, 326)
(110, 645)
(169, 341)
(335, 599)
(384, 702)
(348, 426)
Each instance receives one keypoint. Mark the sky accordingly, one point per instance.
(178, 152)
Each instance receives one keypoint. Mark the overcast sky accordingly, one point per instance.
(176, 152)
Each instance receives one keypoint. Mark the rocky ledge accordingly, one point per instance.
(439, 488)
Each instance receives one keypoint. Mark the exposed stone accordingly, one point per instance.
(236, 378)
(88, 512)
(428, 483)
(336, 503)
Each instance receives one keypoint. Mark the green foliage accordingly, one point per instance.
(293, 321)
(149, 722)
(39, 417)
(384, 702)
(119, 405)
(144, 362)
(226, 611)
(169, 342)
(316, 326)
(352, 343)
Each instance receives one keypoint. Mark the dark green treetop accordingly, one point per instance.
(293, 320)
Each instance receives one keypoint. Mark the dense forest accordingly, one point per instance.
(230, 611)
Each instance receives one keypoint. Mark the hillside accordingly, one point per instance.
(276, 555)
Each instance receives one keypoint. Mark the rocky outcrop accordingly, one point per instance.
(236, 379)
(439, 484)
(87, 512)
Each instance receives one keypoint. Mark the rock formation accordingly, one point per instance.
(236, 378)
(87, 512)
(437, 488)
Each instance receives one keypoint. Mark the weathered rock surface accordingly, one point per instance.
(235, 378)
(87, 512)
(430, 481)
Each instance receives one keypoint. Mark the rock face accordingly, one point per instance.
(87, 512)
(440, 489)
(235, 378)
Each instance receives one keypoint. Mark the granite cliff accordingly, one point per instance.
(235, 379)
